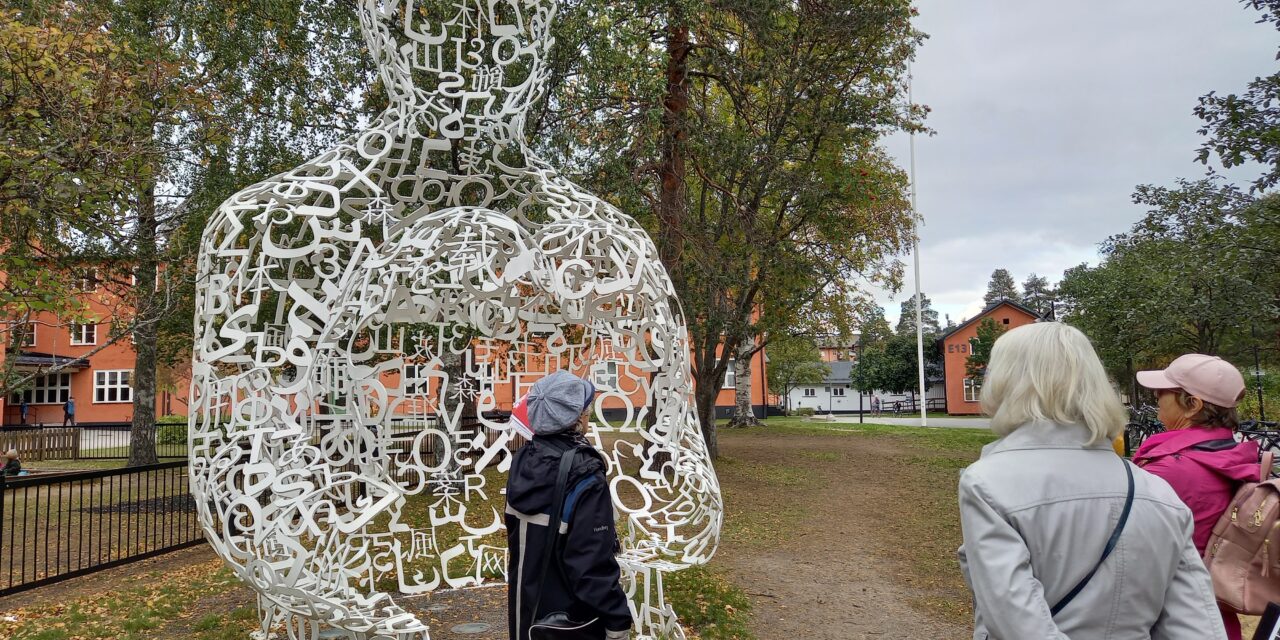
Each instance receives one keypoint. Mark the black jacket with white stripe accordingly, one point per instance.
(588, 586)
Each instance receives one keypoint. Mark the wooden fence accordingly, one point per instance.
(42, 444)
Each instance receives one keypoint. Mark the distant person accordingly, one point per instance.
(1062, 537)
(1198, 454)
(581, 577)
(69, 412)
(23, 409)
(875, 406)
(12, 465)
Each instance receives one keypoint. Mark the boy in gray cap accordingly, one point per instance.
(583, 579)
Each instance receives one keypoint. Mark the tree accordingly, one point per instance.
(907, 317)
(1185, 278)
(1245, 128)
(746, 134)
(975, 366)
(743, 414)
(794, 361)
(1038, 295)
(66, 146)
(1001, 286)
(230, 94)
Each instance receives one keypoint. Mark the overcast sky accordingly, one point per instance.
(1047, 115)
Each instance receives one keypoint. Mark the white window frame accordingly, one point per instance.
(47, 392)
(87, 281)
(416, 388)
(606, 375)
(31, 333)
(731, 375)
(119, 381)
(972, 389)
(84, 334)
(809, 392)
(837, 391)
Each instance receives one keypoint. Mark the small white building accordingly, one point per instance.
(836, 394)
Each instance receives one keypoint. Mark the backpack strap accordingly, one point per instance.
(553, 523)
(1265, 469)
(1111, 545)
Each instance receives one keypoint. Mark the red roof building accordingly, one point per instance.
(963, 390)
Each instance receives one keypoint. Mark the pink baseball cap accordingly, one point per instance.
(1209, 378)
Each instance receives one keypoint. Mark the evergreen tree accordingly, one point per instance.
(1003, 286)
(929, 315)
(1038, 295)
(980, 347)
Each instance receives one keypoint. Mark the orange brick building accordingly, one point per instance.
(962, 390)
(101, 383)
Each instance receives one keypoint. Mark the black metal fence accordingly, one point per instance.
(59, 526)
(92, 442)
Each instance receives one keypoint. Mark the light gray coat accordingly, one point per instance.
(1037, 509)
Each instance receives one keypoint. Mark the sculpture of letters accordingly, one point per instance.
(357, 316)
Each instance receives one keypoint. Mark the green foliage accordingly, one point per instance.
(754, 128)
(928, 316)
(1197, 274)
(1038, 295)
(1245, 128)
(1001, 286)
(794, 361)
(171, 434)
(804, 411)
(975, 365)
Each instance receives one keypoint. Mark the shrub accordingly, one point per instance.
(804, 411)
(172, 434)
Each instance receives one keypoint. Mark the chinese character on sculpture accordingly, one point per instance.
(362, 319)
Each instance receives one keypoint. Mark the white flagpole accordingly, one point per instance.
(924, 418)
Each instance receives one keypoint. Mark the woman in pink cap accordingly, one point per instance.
(1198, 454)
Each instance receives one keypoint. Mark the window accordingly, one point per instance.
(112, 386)
(838, 392)
(54, 388)
(972, 389)
(26, 333)
(810, 392)
(87, 281)
(1004, 321)
(731, 375)
(416, 382)
(84, 334)
(606, 374)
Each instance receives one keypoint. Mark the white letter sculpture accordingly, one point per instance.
(358, 315)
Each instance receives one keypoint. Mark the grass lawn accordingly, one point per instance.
(777, 479)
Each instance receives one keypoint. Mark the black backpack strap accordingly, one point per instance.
(1111, 545)
(553, 524)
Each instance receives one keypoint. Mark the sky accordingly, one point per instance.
(1046, 116)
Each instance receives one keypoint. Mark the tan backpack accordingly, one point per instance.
(1243, 554)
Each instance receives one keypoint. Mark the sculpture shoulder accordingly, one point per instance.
(313, 188)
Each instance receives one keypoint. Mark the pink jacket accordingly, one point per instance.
(1204, 480)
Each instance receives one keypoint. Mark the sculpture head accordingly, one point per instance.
(467, 64)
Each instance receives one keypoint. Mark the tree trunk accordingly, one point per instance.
(142, 433)
(671, 169)
(704, 396)
(743, 415)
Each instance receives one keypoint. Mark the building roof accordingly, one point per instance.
(841, 372)
(988, 311)
(34, 360)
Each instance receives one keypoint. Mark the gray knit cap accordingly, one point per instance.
(556, 401)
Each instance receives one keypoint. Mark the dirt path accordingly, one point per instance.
(814, 552)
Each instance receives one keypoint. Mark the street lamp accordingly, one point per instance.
(861, 381)
(1257, 373)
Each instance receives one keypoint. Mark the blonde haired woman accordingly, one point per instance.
(1062, 538)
